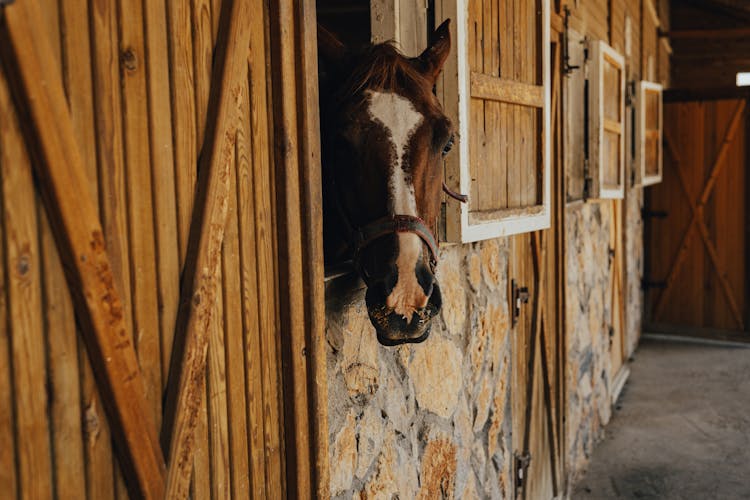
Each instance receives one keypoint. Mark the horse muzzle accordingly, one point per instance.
(393, 328)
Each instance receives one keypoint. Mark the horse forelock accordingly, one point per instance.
(382, 67)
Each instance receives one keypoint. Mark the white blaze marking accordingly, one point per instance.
(400, 120)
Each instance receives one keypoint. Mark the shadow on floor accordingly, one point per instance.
(682, 430)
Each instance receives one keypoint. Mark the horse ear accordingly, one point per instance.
(330, 49)
(434, 56)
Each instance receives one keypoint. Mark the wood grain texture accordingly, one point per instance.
(80, 235)
(184, 127)
(141, 234)
(8, 473)
(234, 359)
(497, 89)
(203, 286)
(23, 262)
(704, 157)
(162, 166)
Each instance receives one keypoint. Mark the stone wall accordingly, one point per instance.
(429, 419)
(433, 420)
(587, 309)
(589, 372)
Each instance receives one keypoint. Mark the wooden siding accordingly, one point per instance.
(138, 77)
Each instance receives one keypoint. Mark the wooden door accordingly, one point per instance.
(535, 282)
(142, 103)
(696, 269)
(535, 361)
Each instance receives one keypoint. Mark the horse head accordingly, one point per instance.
(384, 136)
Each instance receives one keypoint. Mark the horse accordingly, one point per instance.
(383, 139)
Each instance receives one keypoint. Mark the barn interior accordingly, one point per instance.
(168, 325)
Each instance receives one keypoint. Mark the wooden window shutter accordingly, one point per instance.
(607, 122)
(649, 129)
(495, 87)
(575, 104)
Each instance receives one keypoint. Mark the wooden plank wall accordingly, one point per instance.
(137, 77)
(504, 42)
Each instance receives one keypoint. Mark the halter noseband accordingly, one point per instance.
(362, 237)
(394, 224)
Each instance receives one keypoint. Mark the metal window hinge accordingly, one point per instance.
(630, 93)
(654, 214)
(567, 67)
(520, 296)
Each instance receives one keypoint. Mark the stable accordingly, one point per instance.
(170, 325)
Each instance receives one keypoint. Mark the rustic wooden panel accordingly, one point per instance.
(137, 77)
(504, 159)
(574, 129)
(712, 254)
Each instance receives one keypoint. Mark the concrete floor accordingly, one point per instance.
(681, 430)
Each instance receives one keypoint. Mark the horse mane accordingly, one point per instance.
(383, 67)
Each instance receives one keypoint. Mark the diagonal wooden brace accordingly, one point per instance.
(43, 109)
(188, 366)
(696, 208)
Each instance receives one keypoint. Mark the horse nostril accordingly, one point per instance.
(426, 280)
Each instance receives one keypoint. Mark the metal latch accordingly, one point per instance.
(646, 284)
(523, 460)
(520, 296)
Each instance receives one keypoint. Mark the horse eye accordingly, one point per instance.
(448, 145)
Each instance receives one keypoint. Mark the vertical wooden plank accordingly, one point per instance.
(114, 216)
(203, 49)
(250, 297)
(78, 81)
(201, 487)
(183, 115)
(140, 201)
(62, 359)
(8, 480)
(25, 308)
(218, 425)
(476, 106)
(316, 349)
(506, 57)
(163, 174)
(265, 234)
(234, 360)
(488, 161)
(515, 169)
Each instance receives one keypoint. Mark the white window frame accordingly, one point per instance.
(455, 84)
(640, 133)
(600, 52)
(457, 74)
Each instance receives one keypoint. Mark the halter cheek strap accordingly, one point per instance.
(384, 226)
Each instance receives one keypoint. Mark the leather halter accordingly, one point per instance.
(394, 224)
(362, 237)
